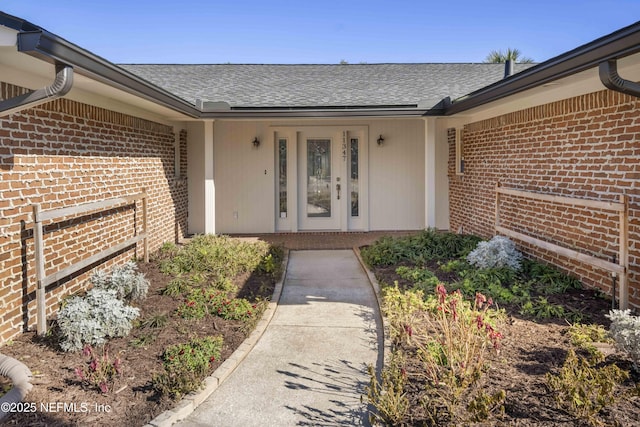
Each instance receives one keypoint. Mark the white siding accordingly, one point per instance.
(244, 177)
(396, 173)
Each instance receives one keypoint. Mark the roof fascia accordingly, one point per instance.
(50, 48)
(306, 113)
(621, 43)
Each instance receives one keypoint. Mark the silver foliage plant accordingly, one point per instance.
(94, 318)
(625, 330)
(497, 252)
(125, 280)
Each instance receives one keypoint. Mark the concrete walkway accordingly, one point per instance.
(309, 367)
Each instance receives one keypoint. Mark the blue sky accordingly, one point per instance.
(324, 31)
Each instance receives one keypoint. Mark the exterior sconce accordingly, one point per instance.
(380, 140)
(256, 142)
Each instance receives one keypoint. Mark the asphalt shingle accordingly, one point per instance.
(348, 85)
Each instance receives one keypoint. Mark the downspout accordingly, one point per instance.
(60, 87)
(20, 376)
(609, 77)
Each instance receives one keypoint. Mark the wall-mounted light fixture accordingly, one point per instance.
(256, 142)
(380, 140)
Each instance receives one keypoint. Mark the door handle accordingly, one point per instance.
(338, 190)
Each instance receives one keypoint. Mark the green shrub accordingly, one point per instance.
(584, 336)
(155, 321)
(583, 388)
(500, 283)
(128, 283)
(216, 257)
(541, 308)
(484, 404)
(385, 251)
(93, 318)
(186, 365)
(455, 265)
(402, 309)
(201, 302)
(432, 244)
(428, 245)
(421, 278)
(272, 262)
(548, 279)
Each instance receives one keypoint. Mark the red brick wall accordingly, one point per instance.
(585, 147)
(65, 153)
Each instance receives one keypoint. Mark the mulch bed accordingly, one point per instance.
(134, 401)
(530, 349)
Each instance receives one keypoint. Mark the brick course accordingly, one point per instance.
(584, 147)
(65, 153)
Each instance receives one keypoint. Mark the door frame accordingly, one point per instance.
(341, 135)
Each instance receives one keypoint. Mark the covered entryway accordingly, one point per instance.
(322, 175)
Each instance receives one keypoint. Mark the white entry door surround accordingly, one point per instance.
(322, 179)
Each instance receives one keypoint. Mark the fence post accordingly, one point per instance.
(145, 225)
(497, 208)
(41, 312)
(623, 256)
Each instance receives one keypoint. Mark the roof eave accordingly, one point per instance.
(317, 113)
(50, 48)
(619, 44)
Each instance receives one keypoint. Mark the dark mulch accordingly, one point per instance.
(134, 402)
(530, 349)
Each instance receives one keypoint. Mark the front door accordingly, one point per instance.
(321, 182)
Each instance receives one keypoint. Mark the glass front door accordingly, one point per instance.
(322, 179)
(319, 178)
(319, 183)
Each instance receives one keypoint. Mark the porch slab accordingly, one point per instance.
(325, 240)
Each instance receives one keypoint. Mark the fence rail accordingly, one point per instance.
(619, 269)
(42, 280)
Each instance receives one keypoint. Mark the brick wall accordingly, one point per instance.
(585, 147)
(65, 153)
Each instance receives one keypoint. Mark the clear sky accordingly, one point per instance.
(324, 31)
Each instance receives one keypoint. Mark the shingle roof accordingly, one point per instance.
(349, 85)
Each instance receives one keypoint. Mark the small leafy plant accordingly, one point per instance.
(182, 284)
(388, 396)
(549, 280)
(541, 308)
(452, 346)
(154, 321)
(484, 404)
(584, 336)
(201, 302)
(583, 388)
(93, 318)
(625, 331)
(100, 371)
(186, 365)
(498, 252)
(128, 283)
(422, 278)
(402, 310)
